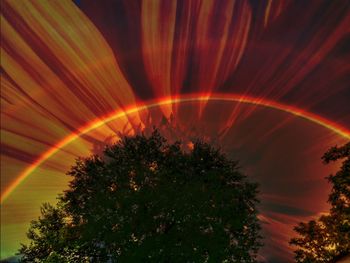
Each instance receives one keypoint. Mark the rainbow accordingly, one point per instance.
(169, 101)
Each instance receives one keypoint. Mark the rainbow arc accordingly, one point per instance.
(165, 102)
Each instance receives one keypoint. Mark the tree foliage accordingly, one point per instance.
(327, 239)
(145, 200)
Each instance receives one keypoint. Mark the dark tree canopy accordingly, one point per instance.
(327, 239)
(145, 200)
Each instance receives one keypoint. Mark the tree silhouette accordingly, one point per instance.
(327, 239)
(145, 200)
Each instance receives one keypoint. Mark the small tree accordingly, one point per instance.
(146, 200)
(51, 237)
(327, 239)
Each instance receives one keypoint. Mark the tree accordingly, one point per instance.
(327, 239)
(145, 200)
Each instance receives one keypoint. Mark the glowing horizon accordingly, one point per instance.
(200, 97)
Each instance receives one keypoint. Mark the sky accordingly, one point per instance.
(266, 81)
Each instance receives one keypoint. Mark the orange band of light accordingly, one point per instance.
(168, 101)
